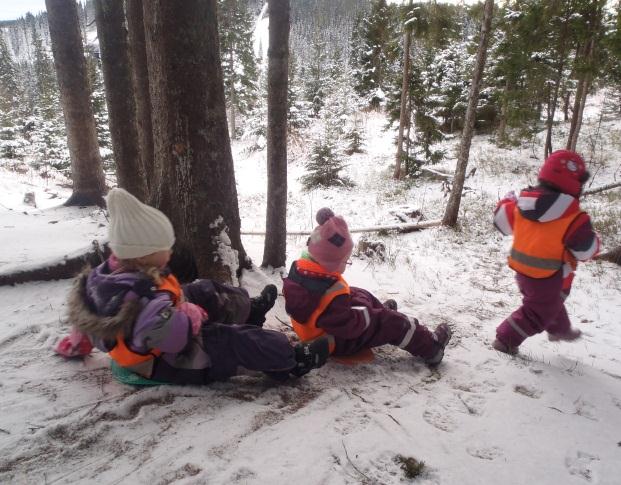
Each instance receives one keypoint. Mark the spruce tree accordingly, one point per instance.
(239, 64)
(375, 52)
(10, 140)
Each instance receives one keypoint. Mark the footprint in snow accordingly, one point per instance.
(484, 453)
(439, 419)
(581, 464)
(528, 391)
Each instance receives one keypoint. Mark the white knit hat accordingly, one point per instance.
(136, 229)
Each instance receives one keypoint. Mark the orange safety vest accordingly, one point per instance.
(308, 330)
(538, 250)
(142, 364)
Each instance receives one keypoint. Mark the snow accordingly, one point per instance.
(549, 416)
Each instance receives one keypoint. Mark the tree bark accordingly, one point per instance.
(86, 164)
(140, 83)
(232, 121)
(114, 52)
(404, 98)
(452, 207)
(194, 179)
(275, 249)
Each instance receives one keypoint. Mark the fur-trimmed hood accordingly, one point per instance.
(98, 303)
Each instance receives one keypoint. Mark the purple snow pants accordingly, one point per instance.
(542, 309)
(386, 326)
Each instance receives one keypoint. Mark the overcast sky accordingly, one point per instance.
(12, 9)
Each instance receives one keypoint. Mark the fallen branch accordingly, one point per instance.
(352, 463)
(408, 227)
(602, 188)
(613, 256)
(65, 268)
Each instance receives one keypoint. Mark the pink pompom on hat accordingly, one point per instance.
(330, 243)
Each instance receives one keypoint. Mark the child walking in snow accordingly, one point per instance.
(320, 302)
(131, 307)
(550, 235)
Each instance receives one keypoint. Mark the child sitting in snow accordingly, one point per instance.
(550, 234)
(131, 307)
(320, 302)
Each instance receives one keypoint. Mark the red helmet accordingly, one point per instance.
(564, 170)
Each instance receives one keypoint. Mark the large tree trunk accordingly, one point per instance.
(452, 207)
(404, 98)
(114, 51)
(274, 252)
(194, 180)
(140, 81)
(86, 165)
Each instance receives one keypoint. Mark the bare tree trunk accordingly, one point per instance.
(114, 51)
(275, 250)
(86, 165)
(504, 113)
(553, 100)
(140, 81)
(232, 99)
(579, 102)
(594, 19)
(452, 207)
(194, 180)
(404, 98)
(566, 97)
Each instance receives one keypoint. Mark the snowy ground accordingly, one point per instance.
(549, 416)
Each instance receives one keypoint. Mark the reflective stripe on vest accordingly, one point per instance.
(142, 364)
(538, 250)
(308, 330)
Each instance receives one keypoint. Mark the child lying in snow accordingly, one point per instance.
(320, 302)
(550, 235)
(131, 307)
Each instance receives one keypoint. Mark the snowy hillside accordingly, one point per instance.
(549, 416)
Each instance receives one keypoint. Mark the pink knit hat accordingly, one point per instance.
(330, 243)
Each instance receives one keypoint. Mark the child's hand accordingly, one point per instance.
(75, 344)
(195, 313)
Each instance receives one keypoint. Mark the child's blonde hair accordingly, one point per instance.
(134, 264)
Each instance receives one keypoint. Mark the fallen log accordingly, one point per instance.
(71, 265)
(602, 189)
(407, 227)
(67, 267)
(613, 256)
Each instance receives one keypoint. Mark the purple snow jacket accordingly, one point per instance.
(104, 304)
(357, 321)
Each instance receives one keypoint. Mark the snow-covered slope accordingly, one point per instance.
(549, 416)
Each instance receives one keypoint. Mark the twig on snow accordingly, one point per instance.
(283, 322)
(352, 463)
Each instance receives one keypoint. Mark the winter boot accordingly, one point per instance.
(504, 348)
(568, 336)
(260, 305)
(441, 335)
(391, 304)
(311, 355)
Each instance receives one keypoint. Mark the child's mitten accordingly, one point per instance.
(195, 313)
(76, 344)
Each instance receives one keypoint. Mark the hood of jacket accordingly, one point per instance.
(99, 302)
(542, 204)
